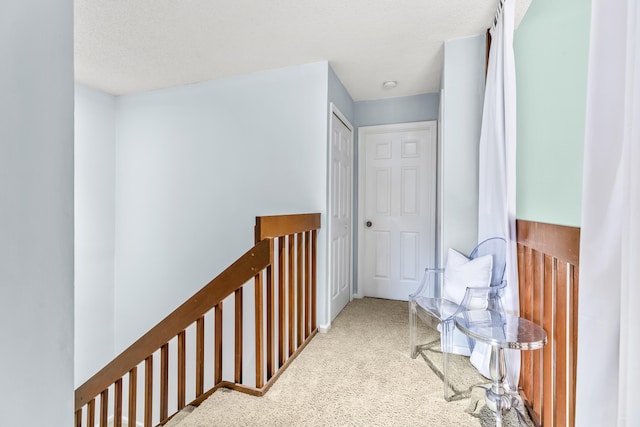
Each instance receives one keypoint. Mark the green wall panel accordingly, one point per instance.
(551, 50)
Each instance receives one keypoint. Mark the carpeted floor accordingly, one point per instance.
(357, 374)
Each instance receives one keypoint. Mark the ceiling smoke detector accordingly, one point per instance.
(390, 84)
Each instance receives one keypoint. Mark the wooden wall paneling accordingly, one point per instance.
(573, 343)
(526, 311)
(548, 323)
(561, 348)
(548, 257)
(540, 312)
(559, 241)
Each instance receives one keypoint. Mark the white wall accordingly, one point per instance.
(339, 95)
(194, 166)
(36, 213)
(463, 85)
(94, 179)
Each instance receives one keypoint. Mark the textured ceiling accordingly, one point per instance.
(127, 46)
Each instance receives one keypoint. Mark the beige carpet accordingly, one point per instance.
(357, 374)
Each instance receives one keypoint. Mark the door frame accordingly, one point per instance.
(333, 109)
(361, 164)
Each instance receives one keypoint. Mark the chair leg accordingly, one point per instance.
(412, 329)
(447, 344)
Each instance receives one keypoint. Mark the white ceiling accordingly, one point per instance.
(127, 46)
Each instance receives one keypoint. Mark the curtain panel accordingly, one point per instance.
(608, 371)
(497, 172)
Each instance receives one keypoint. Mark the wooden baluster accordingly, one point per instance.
(148, 391)
(117, 403)
(164, 382)
(104, 408)
(314, 236)
(282, 301)
(182, 370)
(238, 337)
(200, 356)
(91, 413)
(133, 391)
(79, 418)
(300, 286)
(218, 345)
(270, 317)
(258, 331)
(292, 301)
(307, 289)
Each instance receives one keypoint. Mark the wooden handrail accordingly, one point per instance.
(243, 270)
(283, 225)
(259, 264)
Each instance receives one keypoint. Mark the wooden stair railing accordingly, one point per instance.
(282, 266)
(548, 263)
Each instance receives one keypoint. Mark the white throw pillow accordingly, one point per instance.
(461, 272)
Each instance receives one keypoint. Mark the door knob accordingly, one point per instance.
(369, 223)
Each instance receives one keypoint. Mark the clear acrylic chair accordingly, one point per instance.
(429, 304)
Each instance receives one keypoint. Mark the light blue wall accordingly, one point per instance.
(387, 111)
(36, 213)
(195, 165)
(463, 77)
(397, 110)
(94, 201)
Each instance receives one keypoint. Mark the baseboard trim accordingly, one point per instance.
(323, 329)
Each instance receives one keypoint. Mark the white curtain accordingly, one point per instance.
(497, 171)
(608, 320)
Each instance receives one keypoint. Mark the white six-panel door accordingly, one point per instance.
(397, 195)
(340, 208)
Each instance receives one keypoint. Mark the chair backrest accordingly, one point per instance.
(496, 246)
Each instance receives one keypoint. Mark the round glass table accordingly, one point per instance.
(501, 331)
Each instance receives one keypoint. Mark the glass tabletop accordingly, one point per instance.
(501, 330)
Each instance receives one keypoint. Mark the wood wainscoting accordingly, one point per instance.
(548, 261)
